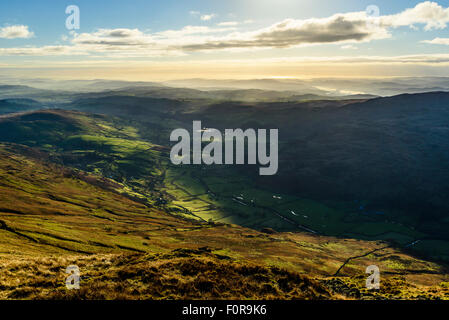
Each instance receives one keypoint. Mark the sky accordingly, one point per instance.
(238, 39)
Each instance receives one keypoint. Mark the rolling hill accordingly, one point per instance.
(97, 188)
(19, 105)
(53, 216)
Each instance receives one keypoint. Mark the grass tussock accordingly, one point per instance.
(195, 274)
(181, 274)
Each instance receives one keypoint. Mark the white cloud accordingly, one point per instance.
(207, 17)
(431, 14)
(419, 59)
(42, 51)
(349, 47)
(203, 17)
(17, 31)
(350, 27)
(234, 23)
(192, 30)
(228, 23)
(135, 42)
(443, 41)
(113, 37)
(339, 28)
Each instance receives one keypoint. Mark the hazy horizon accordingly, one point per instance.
(288, 86)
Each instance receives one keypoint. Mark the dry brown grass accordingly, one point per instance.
(182, 274)
(186, 274)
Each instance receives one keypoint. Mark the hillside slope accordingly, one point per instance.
(93, 190)
(53, 216)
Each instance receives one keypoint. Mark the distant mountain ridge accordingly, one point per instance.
(19, 105)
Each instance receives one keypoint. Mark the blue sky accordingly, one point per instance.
(179, 39)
